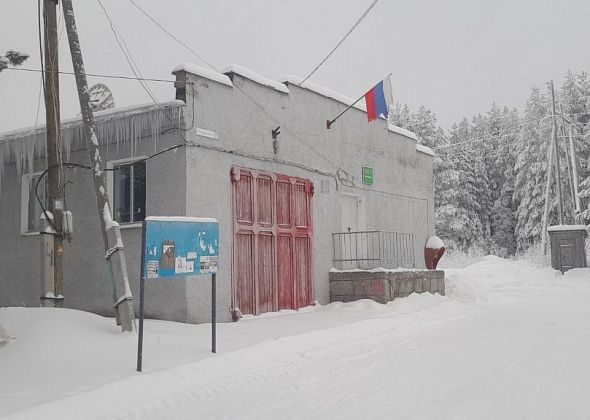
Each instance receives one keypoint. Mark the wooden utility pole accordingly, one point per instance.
(55, 180)
(547, 191)
(111, 235)
(578, 205)
(568, 160)
(556, 157)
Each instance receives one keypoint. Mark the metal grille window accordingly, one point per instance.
(129, 192)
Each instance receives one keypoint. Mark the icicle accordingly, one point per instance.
(125, 128)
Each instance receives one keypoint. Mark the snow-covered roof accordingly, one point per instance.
(282, 86)
(255, 77)
(424, 149)
(105, 115)
(123, 125)
(321, 90)
(559, 228)
(203, 72)
(402, 131)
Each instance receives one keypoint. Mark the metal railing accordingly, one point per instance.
(372, 249)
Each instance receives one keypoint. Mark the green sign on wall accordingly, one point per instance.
(368, 177)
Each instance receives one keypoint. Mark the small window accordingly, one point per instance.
(128, 191)
(30, 207)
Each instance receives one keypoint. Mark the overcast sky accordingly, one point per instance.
(456, 57)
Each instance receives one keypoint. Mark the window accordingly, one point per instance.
(128, 188)
(30, 206)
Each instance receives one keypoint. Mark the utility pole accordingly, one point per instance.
(54, 296)
(547, 191)
(568, 159)
(556, 157)
(111, 235)
(578, 205)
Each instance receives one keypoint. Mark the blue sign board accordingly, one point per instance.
(180, 246)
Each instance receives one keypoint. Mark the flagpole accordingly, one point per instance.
(330, 122)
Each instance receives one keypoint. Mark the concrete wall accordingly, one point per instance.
(242, 116)
(86, 284)
(382, 286)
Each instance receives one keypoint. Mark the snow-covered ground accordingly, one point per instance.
(509, 341)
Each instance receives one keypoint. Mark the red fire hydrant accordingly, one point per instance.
(434, 250)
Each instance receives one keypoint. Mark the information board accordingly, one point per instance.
(180, 246)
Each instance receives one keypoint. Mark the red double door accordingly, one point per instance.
(271, 264)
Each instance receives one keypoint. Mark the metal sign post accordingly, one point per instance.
(178, 246)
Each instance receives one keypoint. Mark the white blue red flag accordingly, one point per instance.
(378, 99)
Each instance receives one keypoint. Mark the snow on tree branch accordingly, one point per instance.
(13, 58)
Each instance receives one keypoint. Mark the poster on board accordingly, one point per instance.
(180, 246)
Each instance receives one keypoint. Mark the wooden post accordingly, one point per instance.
(568, 160)
(547, 190)
(55, 179)
(111, 235)
(556, 157)
(578, 205)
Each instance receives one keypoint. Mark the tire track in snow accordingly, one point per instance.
(324, 359)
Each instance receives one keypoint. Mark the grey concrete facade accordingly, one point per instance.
(227, 123)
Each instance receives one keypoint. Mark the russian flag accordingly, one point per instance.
(378, 100)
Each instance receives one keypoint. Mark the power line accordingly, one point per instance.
(106, 76)
(240, 89)
(135, 67)
(340, 42)
(171, 35)
(132, 64)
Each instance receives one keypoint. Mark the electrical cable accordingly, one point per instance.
(136, 70)
(366, 12)
(241, 90)
(105, 76)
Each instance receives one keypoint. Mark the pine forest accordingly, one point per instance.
(491, 170)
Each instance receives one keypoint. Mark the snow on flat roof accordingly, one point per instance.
(255, 77)
(424, 149)
(558, 228)
(321, 90)
(181, 219)
(107, 114)
(203, 72)
(296, 80)
(402, 131)
(281, 87)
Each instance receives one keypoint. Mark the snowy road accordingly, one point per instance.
(509, 341)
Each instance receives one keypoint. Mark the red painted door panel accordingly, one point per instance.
(285, 272)
(265, 272)
(271, 265)
(245, 271)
